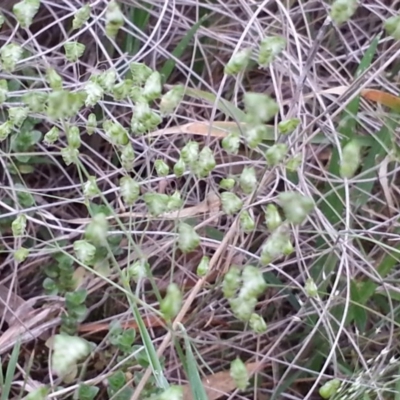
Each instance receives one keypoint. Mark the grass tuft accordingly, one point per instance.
(198, 200)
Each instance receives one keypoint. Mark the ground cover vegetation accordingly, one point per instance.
(199, 199)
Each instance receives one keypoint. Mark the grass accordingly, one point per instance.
(140, 255)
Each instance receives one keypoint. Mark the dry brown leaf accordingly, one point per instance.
(211, 204)
(36, 325)
(377, 96)
(339, 90)
(219, 384)
(12, 306)
(218, 129)
(384, 98)
(384, 181)
(221, 129)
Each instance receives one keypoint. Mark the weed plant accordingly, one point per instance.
(197, 201)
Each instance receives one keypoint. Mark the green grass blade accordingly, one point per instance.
(397, 385)
(333, 204)
(169, 65)
(222, 105)
(196, 385)
(275, 282)
(11, 367)
(367, 288)
(326, 263)
(286, 384)
(313, 364)
(356, 312)
(199, 65)
(378, 151)
(1, 374)
(149, 346)
(140, 18)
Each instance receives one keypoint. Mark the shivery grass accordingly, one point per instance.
(198, 200)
